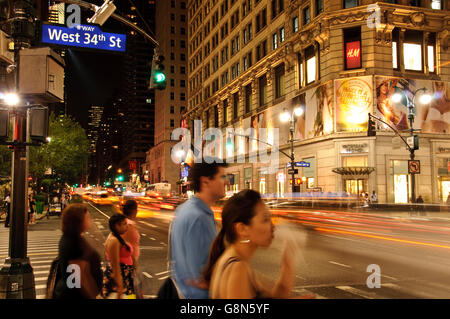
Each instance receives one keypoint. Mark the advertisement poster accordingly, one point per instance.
(433, 117)
(320, 109)
(354, 100)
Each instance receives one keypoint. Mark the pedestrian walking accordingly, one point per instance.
(118, 276)
(74, 249)
(246, 226)
(133, 237)
(374, 198)
(31, 210)
(194, 228)
(8, 208)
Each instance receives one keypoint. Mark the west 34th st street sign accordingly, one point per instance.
(86, 36)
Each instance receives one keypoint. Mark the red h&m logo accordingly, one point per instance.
(353, 54)
(133, 165)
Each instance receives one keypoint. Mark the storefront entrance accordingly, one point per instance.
(444, 188)
(356, 186)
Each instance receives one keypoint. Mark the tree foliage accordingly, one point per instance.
(66, 154)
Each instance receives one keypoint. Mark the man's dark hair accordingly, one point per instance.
(205, 169)
(129, 206)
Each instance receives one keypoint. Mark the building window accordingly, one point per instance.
(172, 43)
(182, 83)
(247, 60)
(246, 7)
(183, 96)
(172, 30)
(295, 24)
(183, 70)
(412, 50)
(183, 44)
(172, 4)
(279, 81)
(172, 69)
(431, 44)
(310, 58)
(437, 4)
(247, 33)
(319, 7)
(235, 105)
(248, 98)
(183, 5)
(172, 17)
(263, 90)
(395, 38)
(172, 123)
(350, 4)
(183, 18)
(306, 16)
(235, 19)
(224, 111)
(261, 20)
(274, 41)
(216, 116)
(172, 56)
(352, 47)
(172, 82)
(172, 96)
(261, 50)
(183, 57)
(172, 110)
(281, 35)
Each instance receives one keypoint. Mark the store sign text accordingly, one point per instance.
(355, 148)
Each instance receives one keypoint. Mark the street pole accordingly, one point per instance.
(411, 155)
(16, 277)
(292, 154)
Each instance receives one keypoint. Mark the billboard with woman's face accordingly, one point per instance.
(433, 117)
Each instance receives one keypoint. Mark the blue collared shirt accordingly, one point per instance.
(193, 231)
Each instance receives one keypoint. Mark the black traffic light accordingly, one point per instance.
(371, 129)
(158, 77)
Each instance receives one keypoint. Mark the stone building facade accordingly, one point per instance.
(339, 60)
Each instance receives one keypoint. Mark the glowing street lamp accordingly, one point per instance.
(11, 99)
(425, 98)
(286, 117)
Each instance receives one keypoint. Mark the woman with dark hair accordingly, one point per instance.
(119, 270)
(132, 235)
(75, 250)
(246, 226)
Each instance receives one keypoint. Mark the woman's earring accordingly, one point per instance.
(245, 241)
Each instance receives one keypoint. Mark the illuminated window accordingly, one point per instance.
(310, 56)
(394, 55)
(413, 56)
(431, 43)
(263, 90)
(352, 48)
(412, 50)
(436, 4)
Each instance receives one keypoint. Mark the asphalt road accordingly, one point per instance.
(334, 249)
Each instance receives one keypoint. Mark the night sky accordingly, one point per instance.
(92, 77)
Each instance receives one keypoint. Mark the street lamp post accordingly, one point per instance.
(411, 105)
(286, 116)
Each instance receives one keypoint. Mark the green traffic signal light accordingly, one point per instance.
(159, 77)
(120, 178)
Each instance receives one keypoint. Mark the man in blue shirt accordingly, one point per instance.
(194, 229)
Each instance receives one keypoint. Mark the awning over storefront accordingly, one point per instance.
(353, 170)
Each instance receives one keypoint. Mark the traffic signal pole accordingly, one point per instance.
(411, 149)
(16, 277)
